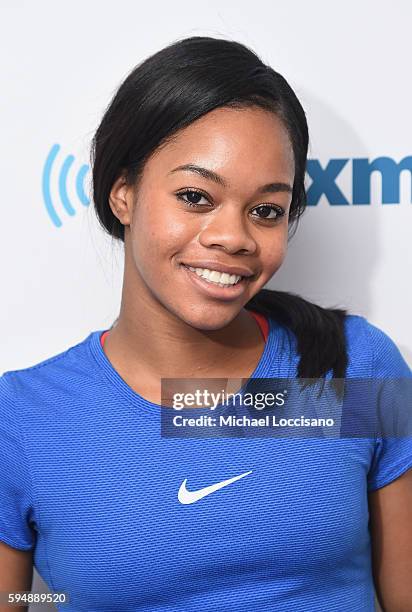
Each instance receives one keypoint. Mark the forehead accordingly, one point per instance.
(250, 143)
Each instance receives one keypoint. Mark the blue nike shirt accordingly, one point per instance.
(87, 481)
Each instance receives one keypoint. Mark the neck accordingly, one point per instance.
(147, 343)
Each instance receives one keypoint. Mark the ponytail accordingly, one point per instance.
(319, 332)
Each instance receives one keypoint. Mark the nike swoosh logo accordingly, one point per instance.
(189, 497)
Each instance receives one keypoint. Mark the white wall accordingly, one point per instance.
(349, 64)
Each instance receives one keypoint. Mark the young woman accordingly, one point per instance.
(198, 168)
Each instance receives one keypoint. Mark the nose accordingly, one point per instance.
(227, 228)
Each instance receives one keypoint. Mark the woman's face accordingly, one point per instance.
(230, 214)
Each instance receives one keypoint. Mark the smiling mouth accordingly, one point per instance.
(215, 290)
(225, 281)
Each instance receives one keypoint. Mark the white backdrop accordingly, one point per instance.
(349, 64)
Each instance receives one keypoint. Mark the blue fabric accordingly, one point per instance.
(87, 480)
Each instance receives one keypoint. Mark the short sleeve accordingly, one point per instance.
(392, 455)
(16, 507)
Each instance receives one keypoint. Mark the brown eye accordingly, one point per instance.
(193, 197)
(267, 209)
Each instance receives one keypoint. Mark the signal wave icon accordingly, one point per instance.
(62, 185)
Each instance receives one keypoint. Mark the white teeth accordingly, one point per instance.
(219, 278)
(225, 277)
(213, 276)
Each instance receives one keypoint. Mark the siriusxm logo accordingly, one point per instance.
(324, 180)
(62, 185)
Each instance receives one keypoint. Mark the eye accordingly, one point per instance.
(194, 196)
(270, 212)
(267, 209)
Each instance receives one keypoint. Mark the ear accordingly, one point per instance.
(121, 200)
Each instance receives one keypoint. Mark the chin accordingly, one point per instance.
(209, 321)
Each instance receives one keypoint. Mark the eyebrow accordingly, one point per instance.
(217, 178)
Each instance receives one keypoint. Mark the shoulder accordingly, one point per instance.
(47, 379)
(371, 351)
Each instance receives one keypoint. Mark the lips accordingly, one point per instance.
(213, 290)
(220, 267)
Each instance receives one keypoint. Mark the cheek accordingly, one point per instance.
(272, 255)
(157, 235)
(274, 252)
